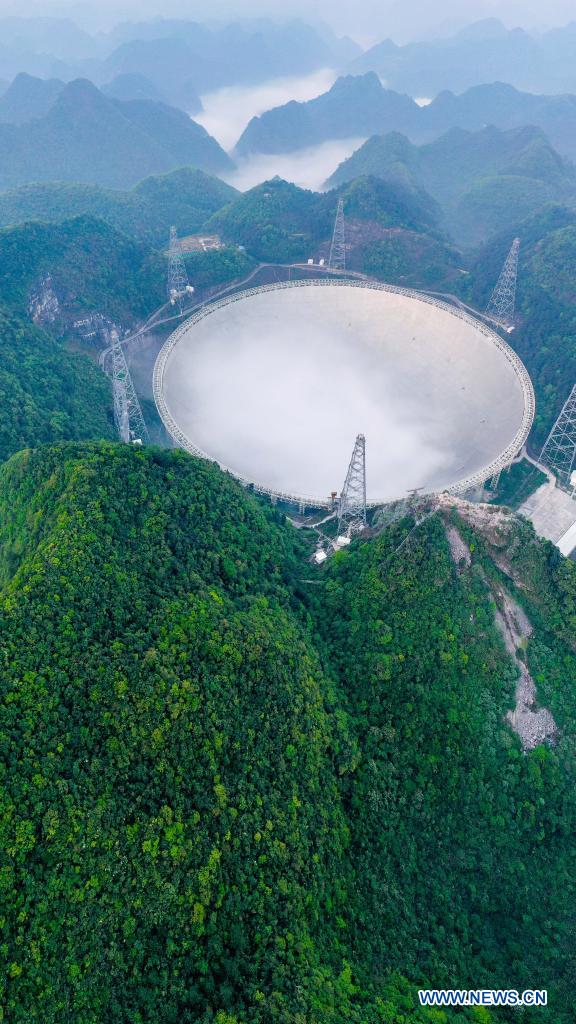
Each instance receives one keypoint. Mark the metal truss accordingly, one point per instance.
(128, 417)
(559, 451)
(502, 303)
(178, 284)
(352, 502)
(337, 258)
(310, 501)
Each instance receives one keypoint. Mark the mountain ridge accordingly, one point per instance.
(230, 741)
(184, 197)
(86, 137)
(481, 52)
(482, 180)
(371, 108)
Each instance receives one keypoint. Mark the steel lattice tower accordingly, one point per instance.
(337, 258)
(503, 299)
(128, 416)
(178, 284)
(352, 503)
(559, 451)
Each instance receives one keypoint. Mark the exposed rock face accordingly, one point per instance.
(532, 724)
(44, 306)
(494, 522)
(459, 550)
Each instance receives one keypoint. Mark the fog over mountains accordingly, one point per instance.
(482, 52)
(179, 58)
(152, 75)
(404, 20)
(483, 181)
(359, 104)
(74, 133)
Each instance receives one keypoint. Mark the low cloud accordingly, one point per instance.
(308, 168)
(228, 111)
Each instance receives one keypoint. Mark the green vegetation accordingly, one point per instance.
(517, 484)
(545, 338)
(388, 204)
(483, 182)
(185, 197)
(450, 822)
(276, 222)
(359, 105)
(356, 105)
(491, 205)
(410, 259)
(280, 223)
(218, 266)
(50, 393)
(92, 266)
(85, 137)
(47, 393)
(229, 796)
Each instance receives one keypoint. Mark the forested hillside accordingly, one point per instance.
(47, 393)
(238, 786)
(354, 107)
(482, 181)
(86, 137)
(185, 197)
(281, 223)
(232, 796)
(92, 266)
(358, 106)
(102, 262)
(392, 230)
(545, 337)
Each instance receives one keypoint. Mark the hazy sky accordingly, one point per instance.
(365, 19)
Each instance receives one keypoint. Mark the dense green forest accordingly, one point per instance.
(237, 787)
(185, 197)
(279, 222)
(87, 137)
(410, 259)
(92, 266)
(232, 796)
(276, 222)
(218, 266)
(47, 393)
(482, 182)
(545, 337)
